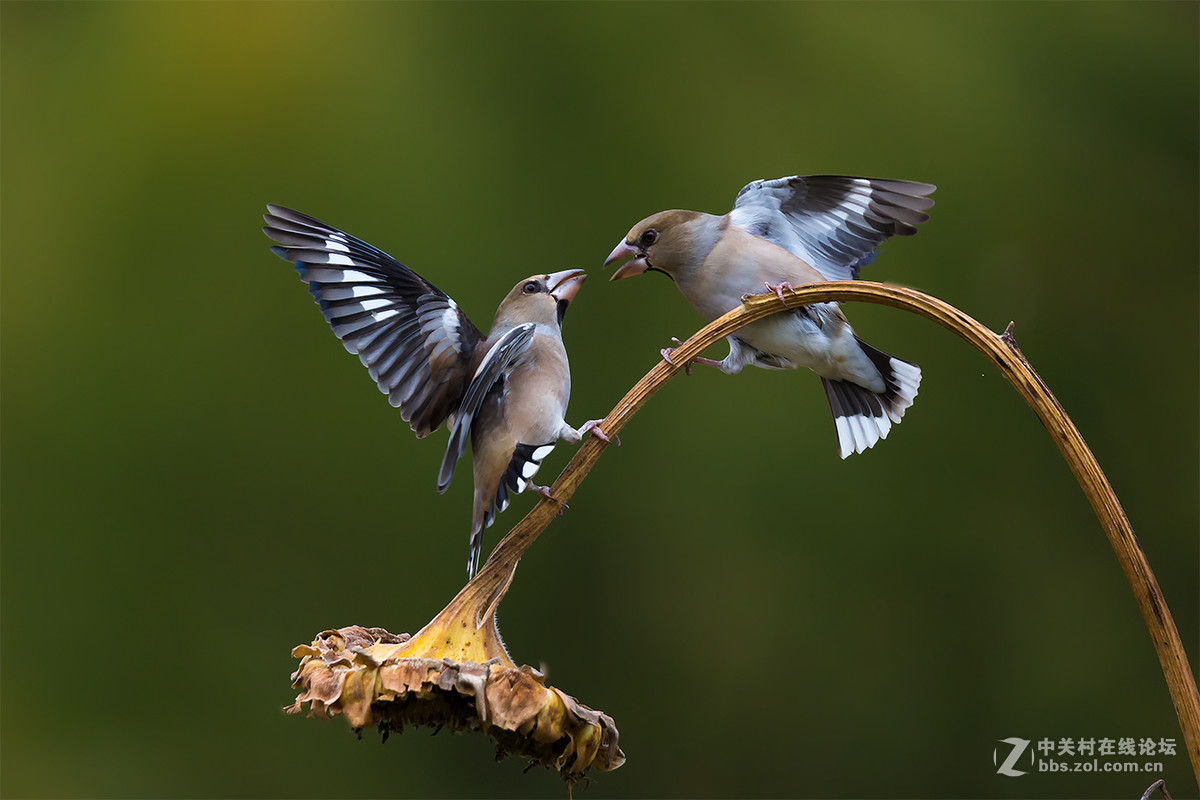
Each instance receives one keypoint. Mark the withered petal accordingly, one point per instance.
(512, 706)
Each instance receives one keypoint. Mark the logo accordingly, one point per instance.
(1086, 754)
(1019, 746)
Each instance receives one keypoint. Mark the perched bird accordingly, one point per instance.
(507, 391)
(780, 234)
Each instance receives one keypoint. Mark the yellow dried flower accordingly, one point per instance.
(454, 673)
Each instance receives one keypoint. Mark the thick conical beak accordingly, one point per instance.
(635, 267)
(565, 284)
(622, 251)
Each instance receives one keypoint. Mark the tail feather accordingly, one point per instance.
(522, 467)
(473, 553)
(862, 416)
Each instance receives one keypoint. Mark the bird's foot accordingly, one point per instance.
(779, 289)
(666, 354)
(593, 426)
(544, 491)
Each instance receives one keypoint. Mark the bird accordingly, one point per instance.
(505, 392)
(780, 234)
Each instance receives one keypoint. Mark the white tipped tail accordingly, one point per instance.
(862, 416)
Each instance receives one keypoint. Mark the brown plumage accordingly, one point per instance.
(507, 391)
(780, 234)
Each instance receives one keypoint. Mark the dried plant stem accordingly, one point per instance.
(489, 586)
(1159, 786)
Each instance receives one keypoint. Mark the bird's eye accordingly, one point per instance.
(530, 288)
(649, 237)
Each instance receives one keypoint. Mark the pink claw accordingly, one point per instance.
(666, 354)
(593, 426)
(544, 491)
(778, 290)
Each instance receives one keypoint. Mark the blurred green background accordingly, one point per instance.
(197, 477)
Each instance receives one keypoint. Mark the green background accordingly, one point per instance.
(197, 477)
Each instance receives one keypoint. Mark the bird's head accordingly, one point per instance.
(665, 242)
(541, 298)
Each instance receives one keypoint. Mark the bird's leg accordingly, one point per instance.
(778, 289)
(593, 425)
(687, 368)
(666, 354)
(544, 491)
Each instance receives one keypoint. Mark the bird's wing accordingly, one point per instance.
(492, 370)
(413, 339)
(525, 462)
(834, 222)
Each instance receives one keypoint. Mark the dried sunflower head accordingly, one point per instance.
(455, 673)
(375, 678)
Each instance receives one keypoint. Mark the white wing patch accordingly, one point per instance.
(834, 222)
(379, 316)
(352, 292)
(450, 323)
(530, 468)
(346, 276)
(371, 305)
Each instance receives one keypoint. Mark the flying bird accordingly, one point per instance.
(506, 391)
(781, 234)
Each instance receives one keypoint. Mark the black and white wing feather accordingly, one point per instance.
(526, 460)
(413, 339)
(833, 222)
(492, 370)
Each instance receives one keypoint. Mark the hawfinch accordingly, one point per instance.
(783, 233)
(508, 390)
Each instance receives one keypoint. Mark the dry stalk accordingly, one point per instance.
(1159, 786)
(1001, 349)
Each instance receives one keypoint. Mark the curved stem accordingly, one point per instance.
(487, 589)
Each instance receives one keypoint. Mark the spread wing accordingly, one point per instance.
(492, 370)
(834, 222)
(414, 340)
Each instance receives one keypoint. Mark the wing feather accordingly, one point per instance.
(415, 342)
(834, 222)
(491, 371)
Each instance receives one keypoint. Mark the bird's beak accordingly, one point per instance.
(635, 267)
(564, 285)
